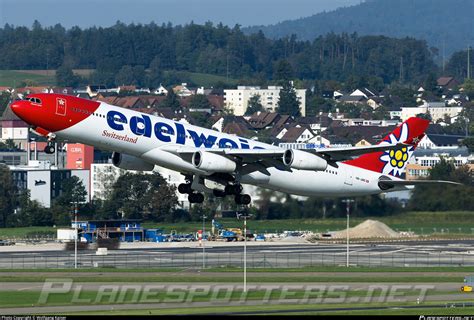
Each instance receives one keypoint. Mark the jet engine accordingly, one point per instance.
(128, 162)
(302, 160)
(212, 162)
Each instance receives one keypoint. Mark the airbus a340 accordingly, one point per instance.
(206, 157)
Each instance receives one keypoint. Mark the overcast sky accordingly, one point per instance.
(85, 13)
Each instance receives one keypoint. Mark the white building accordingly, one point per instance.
(424, 159)
(44, 184)
(437, 110)
(161, 91)
(183, 90)
(440, 141)
(408, 112)
(237, 99)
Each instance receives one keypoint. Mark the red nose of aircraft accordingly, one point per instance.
(20, 108)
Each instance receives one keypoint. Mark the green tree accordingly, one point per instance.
(125, 76)
(5, 99)
(10, 144)
(155, 72)
(288, 102)
(283, 71)
(142, 196)
(7, 192)
(468, 88)
(72, 191)
(254, 105)
(445, 197)
(65, 77)
(469, 143)
(73, 194)
(171, 101)
(31, 213)
(430, 83)
(199, 101)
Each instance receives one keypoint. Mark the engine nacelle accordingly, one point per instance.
(212, 162)
(302, 160)
(128, 162)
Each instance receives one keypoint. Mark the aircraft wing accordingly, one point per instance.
(346, 153)
(247, 155)
(253, 155)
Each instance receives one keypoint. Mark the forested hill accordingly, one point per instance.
(211, 49)
(432, 20)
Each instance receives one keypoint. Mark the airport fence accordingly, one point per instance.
(154, 259)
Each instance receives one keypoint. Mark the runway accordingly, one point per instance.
(190, 255)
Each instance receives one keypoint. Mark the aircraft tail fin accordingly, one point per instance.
(394, 162)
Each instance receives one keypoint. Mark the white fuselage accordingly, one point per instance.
(115, 129)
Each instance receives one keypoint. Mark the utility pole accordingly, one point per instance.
(245, 216)
(76, 234)
(203, 246)
(348, 207)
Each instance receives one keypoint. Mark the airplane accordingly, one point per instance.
(219, 163)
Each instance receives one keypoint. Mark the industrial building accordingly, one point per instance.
(128, 230)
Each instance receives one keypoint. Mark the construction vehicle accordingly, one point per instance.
(468, 284)
(226, 234)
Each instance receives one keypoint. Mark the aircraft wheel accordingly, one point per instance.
(49, 149)
(196, 198)
(243, 199)
(184, 188)
(219, 193)
(233, 189)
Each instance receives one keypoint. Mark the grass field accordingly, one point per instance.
(13, 78)
(344, 269)
(236, 278)
(282, 299)
(282, 308)
(206, 80)
(31, 298)
(423, 223)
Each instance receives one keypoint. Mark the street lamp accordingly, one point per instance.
(245, 216)
(348, 207)
(76, 234)
(203, 246)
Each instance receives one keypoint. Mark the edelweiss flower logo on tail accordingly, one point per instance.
(396, 160)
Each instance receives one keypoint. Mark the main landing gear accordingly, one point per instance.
(193, 197)
(229, 190)
(236, 190)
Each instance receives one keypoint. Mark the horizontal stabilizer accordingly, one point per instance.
(389, 184)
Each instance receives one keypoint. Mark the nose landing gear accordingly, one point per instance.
(49, 149)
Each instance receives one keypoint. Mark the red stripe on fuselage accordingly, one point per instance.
(56, 111)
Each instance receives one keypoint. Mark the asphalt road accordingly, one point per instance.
(420, 254)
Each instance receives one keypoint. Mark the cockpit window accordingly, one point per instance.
(34, 100)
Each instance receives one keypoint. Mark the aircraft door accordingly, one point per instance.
(348, 176)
